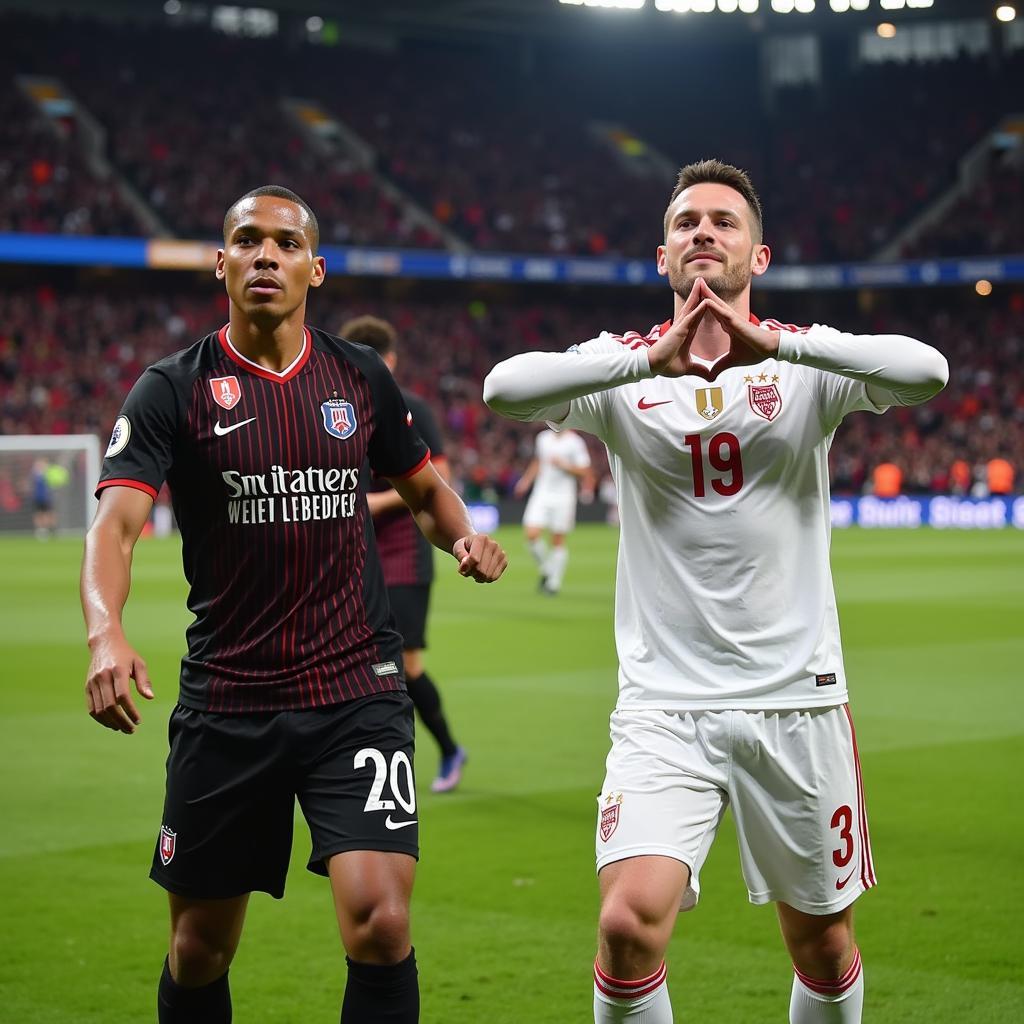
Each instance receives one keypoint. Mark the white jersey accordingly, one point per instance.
(553, 484)
(724, 594)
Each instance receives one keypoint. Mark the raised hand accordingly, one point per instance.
(108, 685)
(669, 356)
(749, 344)
(480, 557)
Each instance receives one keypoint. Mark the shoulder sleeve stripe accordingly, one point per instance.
(137, 484)
(775, 325)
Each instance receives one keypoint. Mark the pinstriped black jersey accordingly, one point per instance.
(265, 473)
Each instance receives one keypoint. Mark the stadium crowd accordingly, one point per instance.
(480, 143)
(46, 185)
(67, 358)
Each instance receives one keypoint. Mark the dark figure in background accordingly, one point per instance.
(408, 560)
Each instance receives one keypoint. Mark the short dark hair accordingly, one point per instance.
(372, 331)
(716, 172)
(278, 192)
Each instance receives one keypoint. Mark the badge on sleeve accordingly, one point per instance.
(119, 437)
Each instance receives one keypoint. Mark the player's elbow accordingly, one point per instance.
(934, 377)
(939, 377)
(500, 396)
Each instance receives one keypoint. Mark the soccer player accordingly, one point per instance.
(292, 682)
(560, 462)
(407, 559)
(731, 681)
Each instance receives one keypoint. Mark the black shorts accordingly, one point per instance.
(232, 781)
(410, 603)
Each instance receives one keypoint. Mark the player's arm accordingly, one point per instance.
(580, 472)
(380, 502)
(541, 385)
(106, 580)
(525, 482)
(896, 370)
(444, 521)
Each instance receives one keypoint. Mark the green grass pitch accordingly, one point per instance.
(505, 905)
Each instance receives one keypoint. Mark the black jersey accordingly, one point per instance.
(277, 544)
(406, 556)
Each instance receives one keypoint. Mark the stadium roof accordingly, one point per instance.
(540, 18)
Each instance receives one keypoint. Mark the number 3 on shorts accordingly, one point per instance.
(843, 820)
(400, 766)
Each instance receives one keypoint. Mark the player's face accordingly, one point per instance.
(267, 263)
(709, 234)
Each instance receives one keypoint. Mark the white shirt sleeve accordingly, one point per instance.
(866, 371)
(543, 385)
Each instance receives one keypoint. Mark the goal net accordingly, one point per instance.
(47, 482)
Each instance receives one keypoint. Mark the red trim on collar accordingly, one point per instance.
(259, 371)
(754, 320)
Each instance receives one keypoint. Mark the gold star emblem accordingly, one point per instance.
(762, 377)
(748, 379)
(775, 378)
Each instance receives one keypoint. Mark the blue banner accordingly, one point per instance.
(940, 512)
(180, 254)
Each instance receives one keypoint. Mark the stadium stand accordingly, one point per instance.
(66, 363)
(495, 161)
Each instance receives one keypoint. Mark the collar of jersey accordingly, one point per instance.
(261, 371)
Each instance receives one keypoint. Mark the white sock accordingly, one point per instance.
(838, 1001)
(554, 569)
(644, 1001)
(539, 550)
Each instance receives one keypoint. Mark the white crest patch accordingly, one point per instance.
(119, 437)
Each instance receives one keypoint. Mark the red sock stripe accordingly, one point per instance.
(616, 989)
(830, 987)
(867, 866)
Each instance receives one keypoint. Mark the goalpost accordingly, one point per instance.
(47, 482)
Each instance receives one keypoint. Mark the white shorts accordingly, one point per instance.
(792, 777)
(556, 515)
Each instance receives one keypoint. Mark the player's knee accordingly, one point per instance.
(825, 954)
(381, 933)
(625, 927)
(196, 959)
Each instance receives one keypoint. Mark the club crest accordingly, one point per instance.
(339, 417)
(610, 816)
(765, 400)
(168, 841)
(226, 392)
(709, 402)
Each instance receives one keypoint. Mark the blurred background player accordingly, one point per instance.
(407, 558)
(559, 465)
(44, 518)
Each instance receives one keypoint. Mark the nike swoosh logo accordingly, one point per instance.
(842, 884)
(644, 404)
(398, 824)
(221, 431)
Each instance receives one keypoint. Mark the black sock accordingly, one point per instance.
(208, 1004)
(382, 993)
(428, 703)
